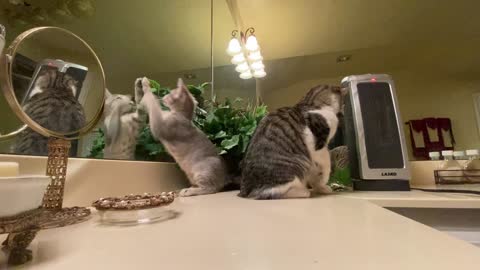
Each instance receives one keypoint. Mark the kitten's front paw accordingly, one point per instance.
(138, 90)
(138, 85)
(145, 84)
(186, 192)
(324, 189)
(194, 191)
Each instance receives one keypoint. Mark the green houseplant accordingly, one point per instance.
(228, 124)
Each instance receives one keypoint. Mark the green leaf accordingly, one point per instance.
(245, 142)
(205, 84)
(220, 134)
(230, 143)
(341, 176)
(201, 111)
(196, 91)
(251, 130)
(154, 84)
(237, 100)
(260, 111)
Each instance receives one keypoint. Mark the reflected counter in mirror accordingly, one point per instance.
(55, 83)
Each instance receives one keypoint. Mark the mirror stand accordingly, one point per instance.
(58, 216)
(22, 227)
(58, 150)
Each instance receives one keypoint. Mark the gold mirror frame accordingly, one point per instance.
(58, 145)
(6, 64)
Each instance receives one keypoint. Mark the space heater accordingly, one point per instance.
(373, 132)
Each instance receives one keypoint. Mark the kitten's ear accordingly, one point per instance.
(107, 94)
(180, 83)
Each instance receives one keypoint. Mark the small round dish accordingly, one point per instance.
(135, 209)
(21, 193)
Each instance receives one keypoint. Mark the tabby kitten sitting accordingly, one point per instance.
(53, 105)
(123, 121)
(288, 151)
(189, 146)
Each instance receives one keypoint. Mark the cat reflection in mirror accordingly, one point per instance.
(53, 105)
(288, 152)
(192, 150)
(123, 121)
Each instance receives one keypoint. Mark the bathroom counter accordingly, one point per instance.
(223, 231)
(420, 199)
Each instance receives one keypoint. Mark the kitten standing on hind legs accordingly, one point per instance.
(192, 150)
(123, 121)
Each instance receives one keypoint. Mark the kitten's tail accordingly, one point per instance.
(260, 195)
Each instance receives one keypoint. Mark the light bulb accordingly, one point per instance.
(242, 67)
(234, 47)
(255, 56)
(259, 73)
(258, 65)
(252, 44)
(238, 59)
(246, 75)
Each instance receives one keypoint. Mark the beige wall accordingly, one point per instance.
(441, 96)
(423, 91)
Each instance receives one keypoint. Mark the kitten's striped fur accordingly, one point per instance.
(288, 151)
(52, 104)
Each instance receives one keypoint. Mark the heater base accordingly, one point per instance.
(381, 185)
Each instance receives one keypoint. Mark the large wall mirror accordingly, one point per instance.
(430, 48)
(161, 39)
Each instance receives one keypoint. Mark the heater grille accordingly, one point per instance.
(382, 138)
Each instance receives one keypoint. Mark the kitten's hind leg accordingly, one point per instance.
(321, 172)
(209, 177)
(296, 190)
(290, 190)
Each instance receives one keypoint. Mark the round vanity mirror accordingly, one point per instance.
(54, 83)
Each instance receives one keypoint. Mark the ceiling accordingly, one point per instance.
(287, 28)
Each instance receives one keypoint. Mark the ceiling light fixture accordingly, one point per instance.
(246, 75)
(245, 53)
(255, 56)
(258, 65)
(234, 47)
(242, 67)
(238, 59)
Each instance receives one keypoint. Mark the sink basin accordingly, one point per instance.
(460, 223)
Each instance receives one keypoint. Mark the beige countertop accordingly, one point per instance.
(223, 231)
(420, 199)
